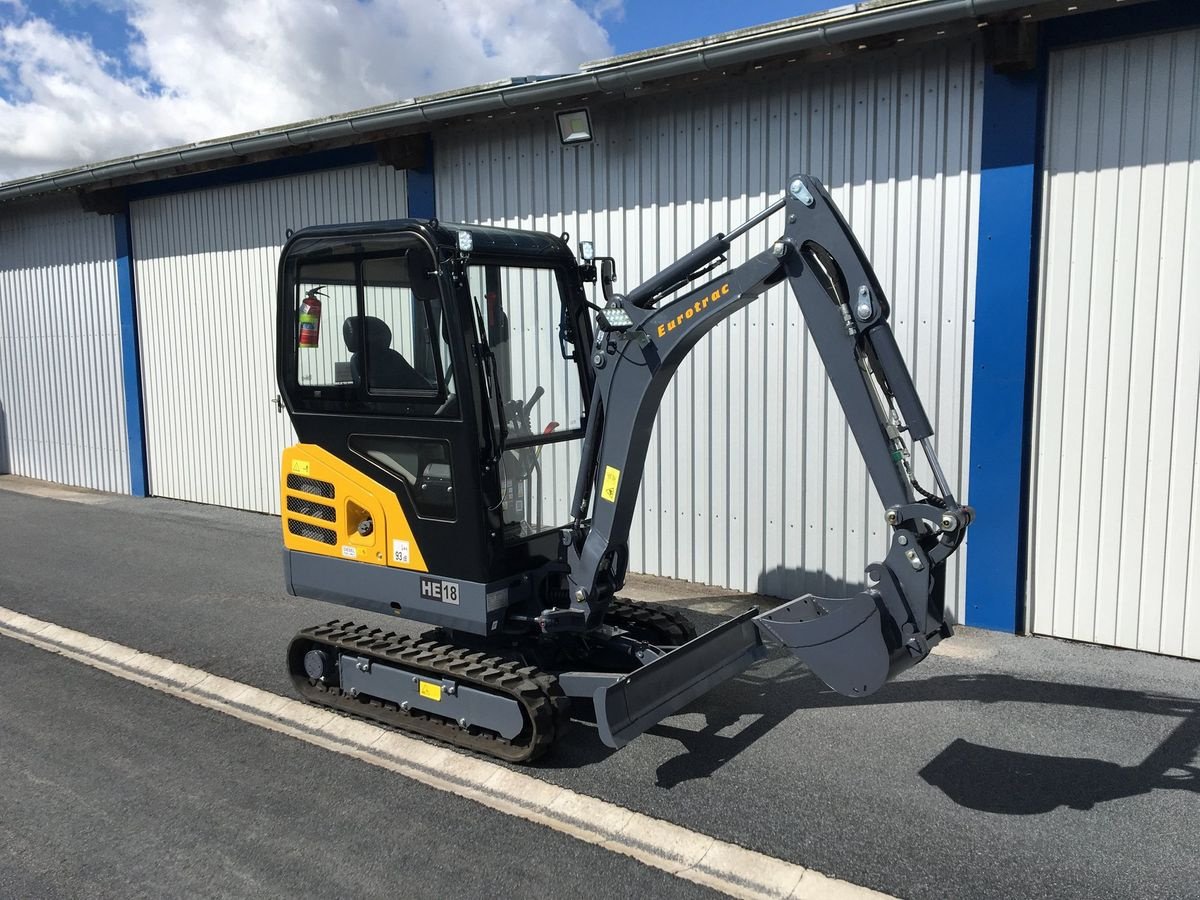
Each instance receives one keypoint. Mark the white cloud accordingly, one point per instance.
(227, 66)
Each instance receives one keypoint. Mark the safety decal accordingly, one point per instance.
(301, 467)
(400, 552)
(430, 691)
(608, 490)
(497, 599)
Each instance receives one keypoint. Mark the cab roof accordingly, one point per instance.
(486, 240)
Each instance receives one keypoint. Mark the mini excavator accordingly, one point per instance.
(473, 432)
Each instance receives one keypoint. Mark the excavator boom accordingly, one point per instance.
(856, 643)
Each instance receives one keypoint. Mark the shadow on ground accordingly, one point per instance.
(984, 778)
(975, 776)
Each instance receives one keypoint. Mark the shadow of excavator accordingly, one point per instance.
(989, 779)
(993, 780)
(1013, 782)
(983, 778)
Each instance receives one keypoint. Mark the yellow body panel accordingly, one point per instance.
(331, 523)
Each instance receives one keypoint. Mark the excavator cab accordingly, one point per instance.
(472, 435)
(412, 392)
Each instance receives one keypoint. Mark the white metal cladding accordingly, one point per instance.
(753, 481)
(205, 264)
(1115, 512)
(62, 408)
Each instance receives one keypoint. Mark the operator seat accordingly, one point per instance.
(389, 369)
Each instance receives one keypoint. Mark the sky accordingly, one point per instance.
(88, 80)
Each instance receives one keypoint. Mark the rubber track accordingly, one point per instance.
(546, 708)
(649, 622)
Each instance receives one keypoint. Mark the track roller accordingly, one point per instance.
(650, 622)
(460, 696)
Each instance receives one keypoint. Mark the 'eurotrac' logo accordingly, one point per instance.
(694, 310)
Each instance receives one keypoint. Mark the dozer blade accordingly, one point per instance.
(849, 644)
(648, 695)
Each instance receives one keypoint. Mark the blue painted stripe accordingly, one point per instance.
(422, 196)
(1004, 316)
(275, 168)
(131, 369)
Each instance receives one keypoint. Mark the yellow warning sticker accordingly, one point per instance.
(431, 691)
(609, 489)
(300, 466)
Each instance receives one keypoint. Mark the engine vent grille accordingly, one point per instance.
(311, 508)
(310, 486)
(312, 532)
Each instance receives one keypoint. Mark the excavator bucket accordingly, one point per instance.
(854, 645)
(840, 640)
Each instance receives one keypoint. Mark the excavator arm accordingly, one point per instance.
(856, 643)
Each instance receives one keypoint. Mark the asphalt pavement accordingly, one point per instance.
(114, 790)
(1001, 767)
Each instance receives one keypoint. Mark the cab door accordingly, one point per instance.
(540, 381)
(386, 387)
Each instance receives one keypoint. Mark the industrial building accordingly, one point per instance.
(1019, 173)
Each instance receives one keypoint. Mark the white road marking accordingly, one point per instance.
(672, 848)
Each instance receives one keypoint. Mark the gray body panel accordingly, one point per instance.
(466, 705)
(399, 592)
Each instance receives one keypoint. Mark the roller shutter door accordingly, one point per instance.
(62, 404)
(205, 271)
(1115, 506)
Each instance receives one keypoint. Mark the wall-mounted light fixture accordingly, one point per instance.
(574, 126)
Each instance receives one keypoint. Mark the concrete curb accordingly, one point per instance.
(687, 854)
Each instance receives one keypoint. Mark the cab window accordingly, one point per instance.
(326, 297)
(402, 332)
(370, 330)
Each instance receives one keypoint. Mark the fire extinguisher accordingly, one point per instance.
(310, 318)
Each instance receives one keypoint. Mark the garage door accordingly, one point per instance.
(62, 404)
(205, 273)
(1115, 509)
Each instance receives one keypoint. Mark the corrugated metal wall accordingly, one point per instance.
(62, 410)
(753, 481)
(1115, 525)
(205, 268)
